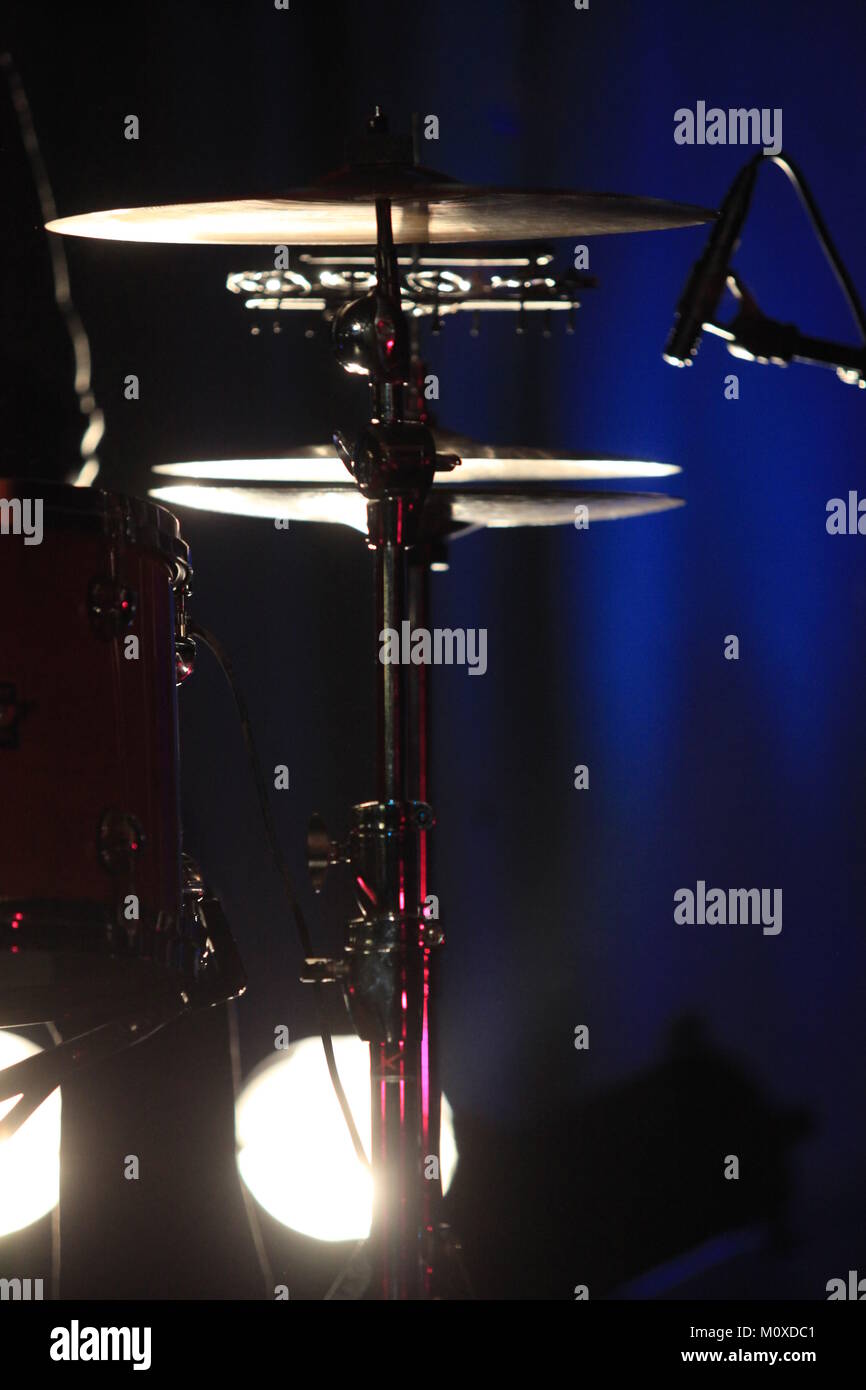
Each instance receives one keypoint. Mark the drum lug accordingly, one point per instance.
(184, 645)
(121, 838)
(112, 605)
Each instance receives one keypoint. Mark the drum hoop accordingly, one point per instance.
(115, 515)
(175, 944)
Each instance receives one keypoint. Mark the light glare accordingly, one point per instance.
(30, 1158)
(294, 1150)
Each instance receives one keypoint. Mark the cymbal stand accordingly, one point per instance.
(386, 968)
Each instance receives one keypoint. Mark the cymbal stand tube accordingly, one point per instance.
(386, 970)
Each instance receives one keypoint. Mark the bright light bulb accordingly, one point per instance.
(30, 1158)
(294, 1150)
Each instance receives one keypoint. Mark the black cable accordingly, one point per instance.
(846, 284)
(224, 662)
(255, 1226)
(60, 277)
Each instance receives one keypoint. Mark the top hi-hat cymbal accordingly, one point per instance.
(317, 464)
(426, 207)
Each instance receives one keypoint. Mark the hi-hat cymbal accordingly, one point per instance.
(426, 207)
(479, 463)
(448, 511)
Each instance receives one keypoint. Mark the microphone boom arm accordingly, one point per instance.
(754, 337)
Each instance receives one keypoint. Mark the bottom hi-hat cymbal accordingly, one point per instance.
(449, 509)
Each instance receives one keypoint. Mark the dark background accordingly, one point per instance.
(601, 1167)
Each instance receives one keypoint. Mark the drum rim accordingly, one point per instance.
(135, 519)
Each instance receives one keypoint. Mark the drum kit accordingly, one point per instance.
(107, 928)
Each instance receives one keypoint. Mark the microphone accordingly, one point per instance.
(706, 283)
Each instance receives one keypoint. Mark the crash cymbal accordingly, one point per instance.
(426, 207)
(480, 463)
(448, 510)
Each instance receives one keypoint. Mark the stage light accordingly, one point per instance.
(294, 1150)
(30, 1159)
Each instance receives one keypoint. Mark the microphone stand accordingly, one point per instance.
(755, 337)
(751, 335)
